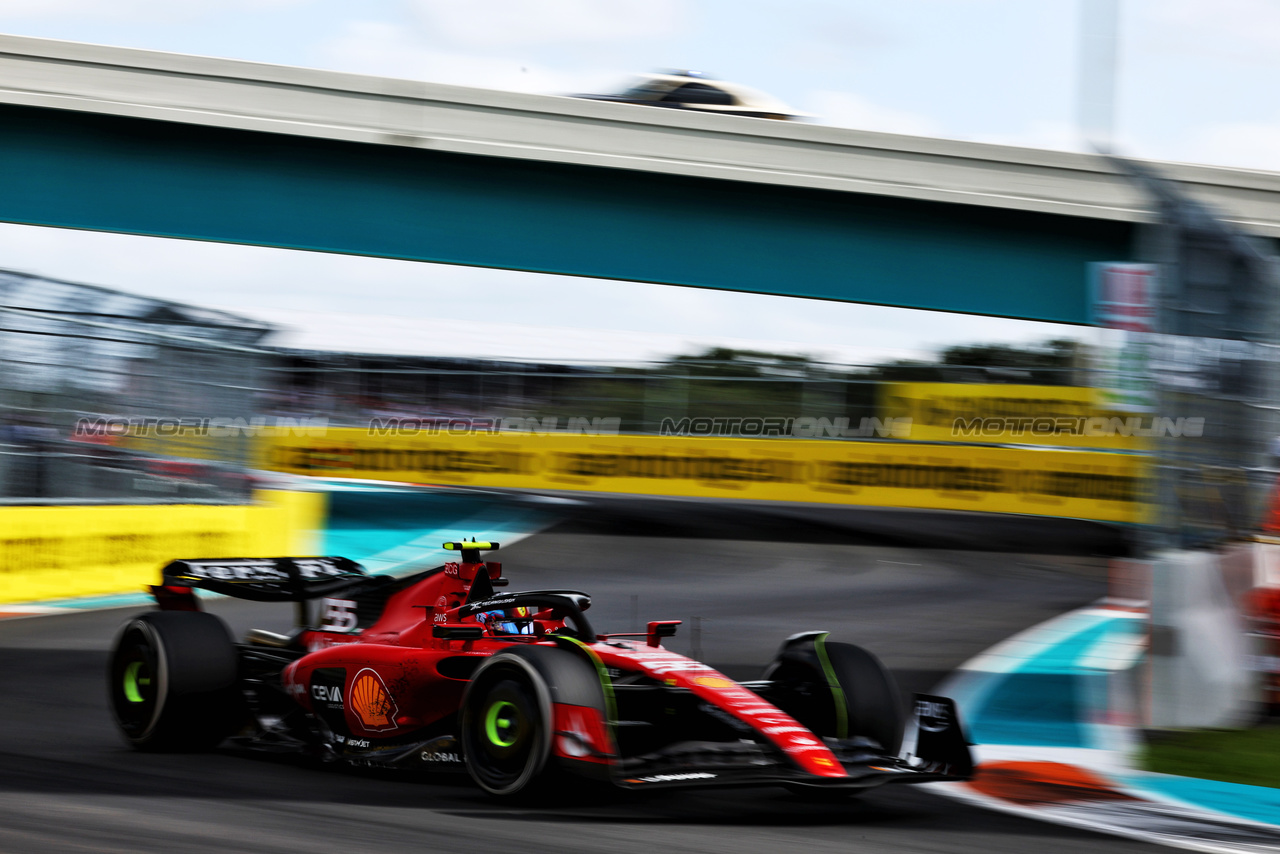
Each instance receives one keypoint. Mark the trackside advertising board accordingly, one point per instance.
(1058, 416)
(1076, 484)
(57, 552)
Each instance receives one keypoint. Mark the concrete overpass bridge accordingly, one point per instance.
(149, 143)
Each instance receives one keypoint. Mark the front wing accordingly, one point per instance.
(937, 750)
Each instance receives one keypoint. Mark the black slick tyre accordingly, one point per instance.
(871, 695)
(505, 726)
(837, 690)
(171, 682)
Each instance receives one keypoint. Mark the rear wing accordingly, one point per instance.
(271, 579)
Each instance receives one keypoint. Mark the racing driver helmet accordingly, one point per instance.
(515, 621)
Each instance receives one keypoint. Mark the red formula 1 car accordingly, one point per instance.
(439, 670)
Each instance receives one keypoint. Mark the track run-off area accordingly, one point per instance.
(924, 591)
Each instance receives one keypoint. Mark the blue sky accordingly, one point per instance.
(1195, 85)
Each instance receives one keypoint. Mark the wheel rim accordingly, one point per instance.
(503, 734)
(137, 676)
(135, 685)
(502, 724)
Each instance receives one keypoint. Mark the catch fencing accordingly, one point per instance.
(73, 357)
(108, 397)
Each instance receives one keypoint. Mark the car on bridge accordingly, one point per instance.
(693, 90)
(440, 671)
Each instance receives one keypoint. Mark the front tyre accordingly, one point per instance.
(837, 690)
(506, 726)
(172, 682)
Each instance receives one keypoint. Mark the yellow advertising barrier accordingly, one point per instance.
(1063, 416)
(56, 552)
(1076, 484)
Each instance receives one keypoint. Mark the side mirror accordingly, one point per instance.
(658, 629)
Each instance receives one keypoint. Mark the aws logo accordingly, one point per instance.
(371, 702)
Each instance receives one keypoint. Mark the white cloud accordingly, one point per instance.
(394, 51)
(1230, 28)
(501, 23)
(148, 11)
(1057, 135)
(437, 336)
(1249, 145)
(845, 109)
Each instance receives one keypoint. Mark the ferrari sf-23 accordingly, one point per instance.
(442, 670)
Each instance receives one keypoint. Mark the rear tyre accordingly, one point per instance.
(172, 682)
(506, 727)
(863, 701)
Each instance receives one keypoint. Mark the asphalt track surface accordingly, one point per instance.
(68, 784)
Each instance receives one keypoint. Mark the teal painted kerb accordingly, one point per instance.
(81, 170)
(1256, 803)
(1045, 700)
(396, 531)
(361, 524)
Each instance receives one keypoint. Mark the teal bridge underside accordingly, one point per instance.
(139, 176)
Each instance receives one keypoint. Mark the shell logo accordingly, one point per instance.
(369, 698)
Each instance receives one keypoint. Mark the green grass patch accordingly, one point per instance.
(1250, 756)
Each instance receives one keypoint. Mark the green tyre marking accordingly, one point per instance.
(606, 684)
(132, 683)
(495, 721)
(837, 693)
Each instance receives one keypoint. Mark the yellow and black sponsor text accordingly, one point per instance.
(1079, 484)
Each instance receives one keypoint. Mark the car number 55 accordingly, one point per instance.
(338, 615)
